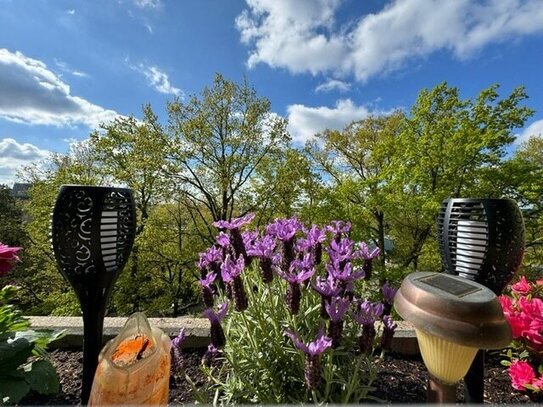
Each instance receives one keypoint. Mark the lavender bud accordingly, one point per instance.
(312, 371)
(294, 296)
(217, 335)
(387, 307)
(239, 246)
(318, 253)
(365, 341)
(177, 360)
(228, 291)
(386, 339)
(335, 330)
(207, 296)
(324, 301)
(266, 269)
(240, 297)
(288, 254)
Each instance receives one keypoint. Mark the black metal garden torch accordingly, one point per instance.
(481, 240)
(92, 230)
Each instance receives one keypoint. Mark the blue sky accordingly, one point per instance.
(67, 65)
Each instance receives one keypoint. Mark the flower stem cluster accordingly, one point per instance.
(316, 266)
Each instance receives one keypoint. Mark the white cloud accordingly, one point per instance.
(534, 129)
(64, 67)
(33, 94)
(333, 84)
(152, 4)
(377, 43)
(157, 79)
(70, 12)
(14, 156)
(304, 122)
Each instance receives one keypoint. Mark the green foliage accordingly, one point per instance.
(262, 365)
(23, 363)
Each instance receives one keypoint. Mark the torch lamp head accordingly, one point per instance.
(481, 240)
(453, 318)
(92, 232)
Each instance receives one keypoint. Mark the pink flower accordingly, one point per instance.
(507, 304)
(8, 256)
(521, 373)
(519, 324)
(522, 286)
(538, 383)
(533, 309)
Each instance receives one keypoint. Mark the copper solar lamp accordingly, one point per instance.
(453, 319)
(92, 232)
(481, 240)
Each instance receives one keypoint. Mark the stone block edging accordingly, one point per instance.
(196, 329)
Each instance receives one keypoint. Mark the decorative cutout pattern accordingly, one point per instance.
(481, 240)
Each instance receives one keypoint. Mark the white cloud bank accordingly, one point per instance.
(304, 122)
(534, 129)
(14, 156)
(303, 35)
(33, 94)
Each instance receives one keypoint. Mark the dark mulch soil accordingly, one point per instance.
(402, 379)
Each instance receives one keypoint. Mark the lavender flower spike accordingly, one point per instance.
(207, 289)
(388, 297)
(179, 339)
(336, 309)
(366, 315)
(264, 249)
(231, 272)
(210, 354)
(217, 334)
(368, 259)
(327, 288)
(235, 223)
(389, 327)
(313, 350)
(175, 351)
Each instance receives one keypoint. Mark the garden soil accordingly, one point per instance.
(401, 379)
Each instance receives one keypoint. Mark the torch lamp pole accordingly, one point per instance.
(92, 232)
(481, 240)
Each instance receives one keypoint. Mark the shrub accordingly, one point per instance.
(293, 325)
(23, 361)
(523, 308)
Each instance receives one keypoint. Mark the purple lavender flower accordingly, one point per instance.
(209, 260)
(175, 351)
(235, 223)
(366, 315)
(249, 239)
(336, 310)
(284, 230)
(315, 237)
(217, 334)
(368, 258)
(312, 351)
(210, 355)
(343, 274)
(231, 274)
(237, 239)
(338, 227)
(326, 288)
(207, 288)
(305, 272)
(264, 250)
(389, 327)
(223, 240)
(388, 297)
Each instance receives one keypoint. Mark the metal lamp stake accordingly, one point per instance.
(92, 233)
(481, 240)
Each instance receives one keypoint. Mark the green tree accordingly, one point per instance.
(219, 140)
(357, 160)
(448, 146)
(133, 153)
